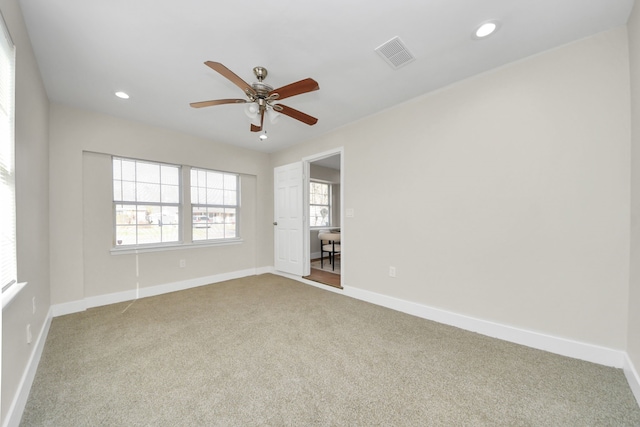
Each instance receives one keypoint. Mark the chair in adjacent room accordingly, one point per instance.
(330, 243)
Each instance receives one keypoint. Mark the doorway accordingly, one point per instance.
(323, 229)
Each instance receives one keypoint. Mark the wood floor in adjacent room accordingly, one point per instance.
(325, 277)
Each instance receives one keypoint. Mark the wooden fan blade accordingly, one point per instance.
(298, 115)
(255, 128)
(303, 86)
(216, 66)
(217, 102)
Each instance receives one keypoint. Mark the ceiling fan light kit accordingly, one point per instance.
(261, 97)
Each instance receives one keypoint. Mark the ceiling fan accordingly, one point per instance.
(262, 97)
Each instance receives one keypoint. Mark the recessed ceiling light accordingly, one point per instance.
(122, 95)
(486, 29)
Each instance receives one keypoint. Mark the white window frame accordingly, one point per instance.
(185, 214)
(8, 240)
(117, 244)
(196, 203)
(329, 205)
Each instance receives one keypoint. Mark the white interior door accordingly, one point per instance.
(289, 218)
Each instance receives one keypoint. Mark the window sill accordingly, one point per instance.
(173, 247)
(11, 293)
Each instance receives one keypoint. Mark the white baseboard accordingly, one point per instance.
(263, 270)
(632, 377)
(100, 300)
(562, 346)
(14, 414)
(565, 347)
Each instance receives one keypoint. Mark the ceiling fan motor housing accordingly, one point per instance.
(260, 72)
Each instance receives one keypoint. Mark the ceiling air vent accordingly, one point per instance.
(395, 53)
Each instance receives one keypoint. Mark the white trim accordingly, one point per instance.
(11, 293)
(562, 346)
(106, 299)
(595, 354)
(264, 270)
(126, 250)
(68, 308)
(14, 414)
(632, 377)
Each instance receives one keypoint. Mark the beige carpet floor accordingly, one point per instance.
(269, 351)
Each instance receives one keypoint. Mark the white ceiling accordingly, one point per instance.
(155, 50)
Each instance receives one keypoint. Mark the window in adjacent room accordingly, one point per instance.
(146, 202)
(319, 204)
(214, 205)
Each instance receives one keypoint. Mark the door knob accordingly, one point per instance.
(275, 223)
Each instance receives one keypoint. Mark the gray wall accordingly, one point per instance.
(633, 348)
(504, 197)
(82, 265)
(32, 205)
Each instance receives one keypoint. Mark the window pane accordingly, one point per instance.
(194, 194)
(125, 235)
(319, 194)
(148, 173)
(128, 170)
(214, 180)
(117, 169)
(148, 192)
(217, 231)
(170, 194)
(320, 205)
(230, 216)
(216, 215)
(128, 191)
(170, 233)
(319, 216)
(230, 182)
(126, 214)
(170, 175)
(149, 234)
(230, 197)
(117, 190)
(214, 197)
(137, 223)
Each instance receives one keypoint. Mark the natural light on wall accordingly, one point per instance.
(8, 270)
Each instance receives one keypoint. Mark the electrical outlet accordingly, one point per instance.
(33, 300)
(183, 263)
(392, 272)
(29, 336)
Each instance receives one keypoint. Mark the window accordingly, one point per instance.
(214, 205)
(319, 204)
(8, 269)
(146, 202)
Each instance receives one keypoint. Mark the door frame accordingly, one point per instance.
(306, 243)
